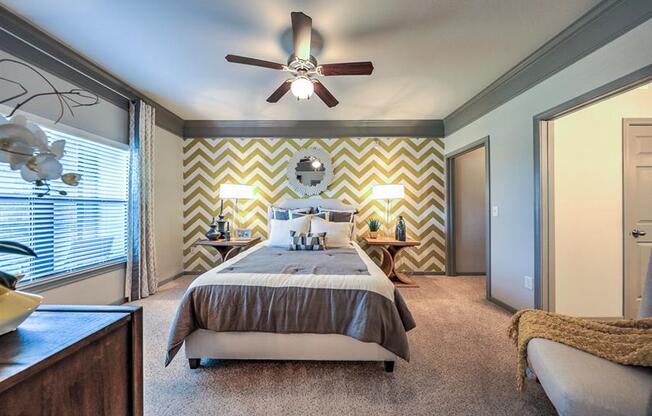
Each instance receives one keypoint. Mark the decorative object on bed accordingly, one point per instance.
(228, 248)
(374, 226)
(243, 234)
(236, 192)
(279, 230)
(390, 248)
(387, 193)
(400, 233)
(626, 342)
(310, 241)
(338, 234)
(310, 171)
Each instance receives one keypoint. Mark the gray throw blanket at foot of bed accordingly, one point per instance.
(342, 299)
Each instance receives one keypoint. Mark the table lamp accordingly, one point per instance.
(388, 193)
(235, 192)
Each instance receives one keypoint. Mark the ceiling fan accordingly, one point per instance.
(303, 66)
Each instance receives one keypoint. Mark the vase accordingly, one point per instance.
(212, 234)
(15, 307)
(373, 234)
(400, 234)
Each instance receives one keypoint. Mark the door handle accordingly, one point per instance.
(636, 233)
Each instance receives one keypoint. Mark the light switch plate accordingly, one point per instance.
(494, 211)
(528, 282)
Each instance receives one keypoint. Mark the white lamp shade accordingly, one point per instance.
(233, 191)
(388, 192)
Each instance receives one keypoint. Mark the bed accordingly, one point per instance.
(270, 303)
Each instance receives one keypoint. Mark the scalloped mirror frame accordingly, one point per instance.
(324, 158)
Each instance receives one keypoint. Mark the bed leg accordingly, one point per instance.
(193, 363)
(389, 366)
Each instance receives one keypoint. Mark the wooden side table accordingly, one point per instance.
(228, 248)
(390, 249)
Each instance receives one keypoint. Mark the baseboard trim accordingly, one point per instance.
(426, 273)
(502, 305)
(169, 279)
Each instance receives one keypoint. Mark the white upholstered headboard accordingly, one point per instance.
(290, 203)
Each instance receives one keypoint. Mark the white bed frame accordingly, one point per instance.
(273, 346)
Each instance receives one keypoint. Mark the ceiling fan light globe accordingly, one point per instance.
(302, 88)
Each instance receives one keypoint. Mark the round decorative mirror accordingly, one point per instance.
(310, 171)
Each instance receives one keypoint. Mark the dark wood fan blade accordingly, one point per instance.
(324, 94)
(280, 92)
(349, 68)
(301, 34)
(253, 61)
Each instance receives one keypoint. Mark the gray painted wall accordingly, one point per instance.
(104, 119)
(511, 129)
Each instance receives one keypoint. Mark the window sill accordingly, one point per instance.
(48, 283)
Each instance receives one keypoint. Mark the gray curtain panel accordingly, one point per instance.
(141, 280)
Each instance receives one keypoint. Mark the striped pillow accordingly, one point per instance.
(310, 241)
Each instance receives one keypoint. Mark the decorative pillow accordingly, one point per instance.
(286, 214)
(339, 233)
(311, 241)
(338, 215)
(279, 230)
(322, 215)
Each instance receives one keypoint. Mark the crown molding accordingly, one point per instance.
(602, 24)
(312, 128)
(20, 38)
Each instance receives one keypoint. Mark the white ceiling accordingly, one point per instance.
(430, 56)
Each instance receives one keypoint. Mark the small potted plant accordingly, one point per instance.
(374, 226)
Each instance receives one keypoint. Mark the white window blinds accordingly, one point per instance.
(85, 228)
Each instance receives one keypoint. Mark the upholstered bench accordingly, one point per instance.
(579, 383)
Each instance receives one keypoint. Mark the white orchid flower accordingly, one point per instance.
(24, 146)
(71, 179)
(57, 148)
(46, 165)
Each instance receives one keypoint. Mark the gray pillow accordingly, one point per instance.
(321, 215)
(284, 214)
(338, 216)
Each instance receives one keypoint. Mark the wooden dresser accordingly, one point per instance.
(74, 360)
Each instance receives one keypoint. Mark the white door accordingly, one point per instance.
(637, 165)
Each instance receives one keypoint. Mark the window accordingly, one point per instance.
(85, 228)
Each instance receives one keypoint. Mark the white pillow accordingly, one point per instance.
(338, 234)
(279, 230)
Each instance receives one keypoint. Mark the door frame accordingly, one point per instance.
(450, 220)
(543, 216)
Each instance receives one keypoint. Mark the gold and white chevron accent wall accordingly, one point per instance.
(358, 163)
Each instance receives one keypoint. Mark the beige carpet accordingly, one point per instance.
(462, 364)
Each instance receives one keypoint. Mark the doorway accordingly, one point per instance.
(467, 207)
(595, 213)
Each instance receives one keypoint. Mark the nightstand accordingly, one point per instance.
(228, 248)
(390, 248)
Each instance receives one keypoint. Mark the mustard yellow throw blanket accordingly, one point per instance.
(626, 342)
